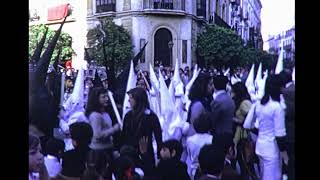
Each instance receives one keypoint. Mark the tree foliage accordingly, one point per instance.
(65, 41)
(222, 47)
(117, 45)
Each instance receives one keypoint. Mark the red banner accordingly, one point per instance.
(58, 12)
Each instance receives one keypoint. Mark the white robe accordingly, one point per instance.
(194, 145)
(271, 124)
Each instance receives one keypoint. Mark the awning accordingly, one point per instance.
(58, 12)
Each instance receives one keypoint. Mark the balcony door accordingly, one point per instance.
(162, 52)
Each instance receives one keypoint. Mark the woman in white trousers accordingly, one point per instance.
(271, 125)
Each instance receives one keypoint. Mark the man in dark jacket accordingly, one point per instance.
(288, 92)
(222, 112)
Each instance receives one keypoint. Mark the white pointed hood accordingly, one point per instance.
(250, 81)
(279, 66)
(153, 78)
(132, 81)
(76, 100)
(258, 76)
(196, 73)
(261, 85)
(166, 104)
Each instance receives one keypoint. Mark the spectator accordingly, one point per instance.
(55, 148)
(37, 168)
(211, 160)
(73, 161)
(170, 166)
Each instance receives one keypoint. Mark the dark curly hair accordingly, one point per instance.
(199, 88)
(93, 103)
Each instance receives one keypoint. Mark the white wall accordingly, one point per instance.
(136, 4)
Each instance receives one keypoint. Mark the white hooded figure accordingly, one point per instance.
(132, 81)
(74, 108)
(177, 124)
(279, 66)
(250, 84)
(166, 107)
(154, 92)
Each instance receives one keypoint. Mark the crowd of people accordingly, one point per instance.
(212, 144)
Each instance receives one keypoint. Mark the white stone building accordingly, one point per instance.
(161, 23)
(245, 17)
(285, 40)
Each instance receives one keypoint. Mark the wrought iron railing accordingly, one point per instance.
(102, 7)
(164, 4)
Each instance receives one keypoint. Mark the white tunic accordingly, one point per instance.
(194, 144)
(271, 124)
(53, 165)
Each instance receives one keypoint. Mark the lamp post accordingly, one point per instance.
(170, 44)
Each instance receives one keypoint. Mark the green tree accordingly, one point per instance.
(251, 56)
(112, 47)
(65, 41)
(220, 47)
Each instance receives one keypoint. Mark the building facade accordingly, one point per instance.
(169, 26)
(245, 19)
(285, 40)
(44, 11)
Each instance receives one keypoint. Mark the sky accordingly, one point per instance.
(276, 16)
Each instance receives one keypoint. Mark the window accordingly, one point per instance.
(201, 8)
(184, 51)
(163, 4)
(105, 5)
(142, 43)
(217, 6)
(183, 5)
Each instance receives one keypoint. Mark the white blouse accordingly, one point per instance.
(271, 124)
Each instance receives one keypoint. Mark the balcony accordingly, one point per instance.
(100, 7)
(168, 7)
(220, 22)
(287, 47)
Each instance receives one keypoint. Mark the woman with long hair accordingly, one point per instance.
(243, 104)
(100, 120)
(271, 126)
(241, 138)
(200, 96)
(141, 122)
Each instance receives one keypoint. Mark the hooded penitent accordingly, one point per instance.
(36, 55)
(41, 109)
(121, 81)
